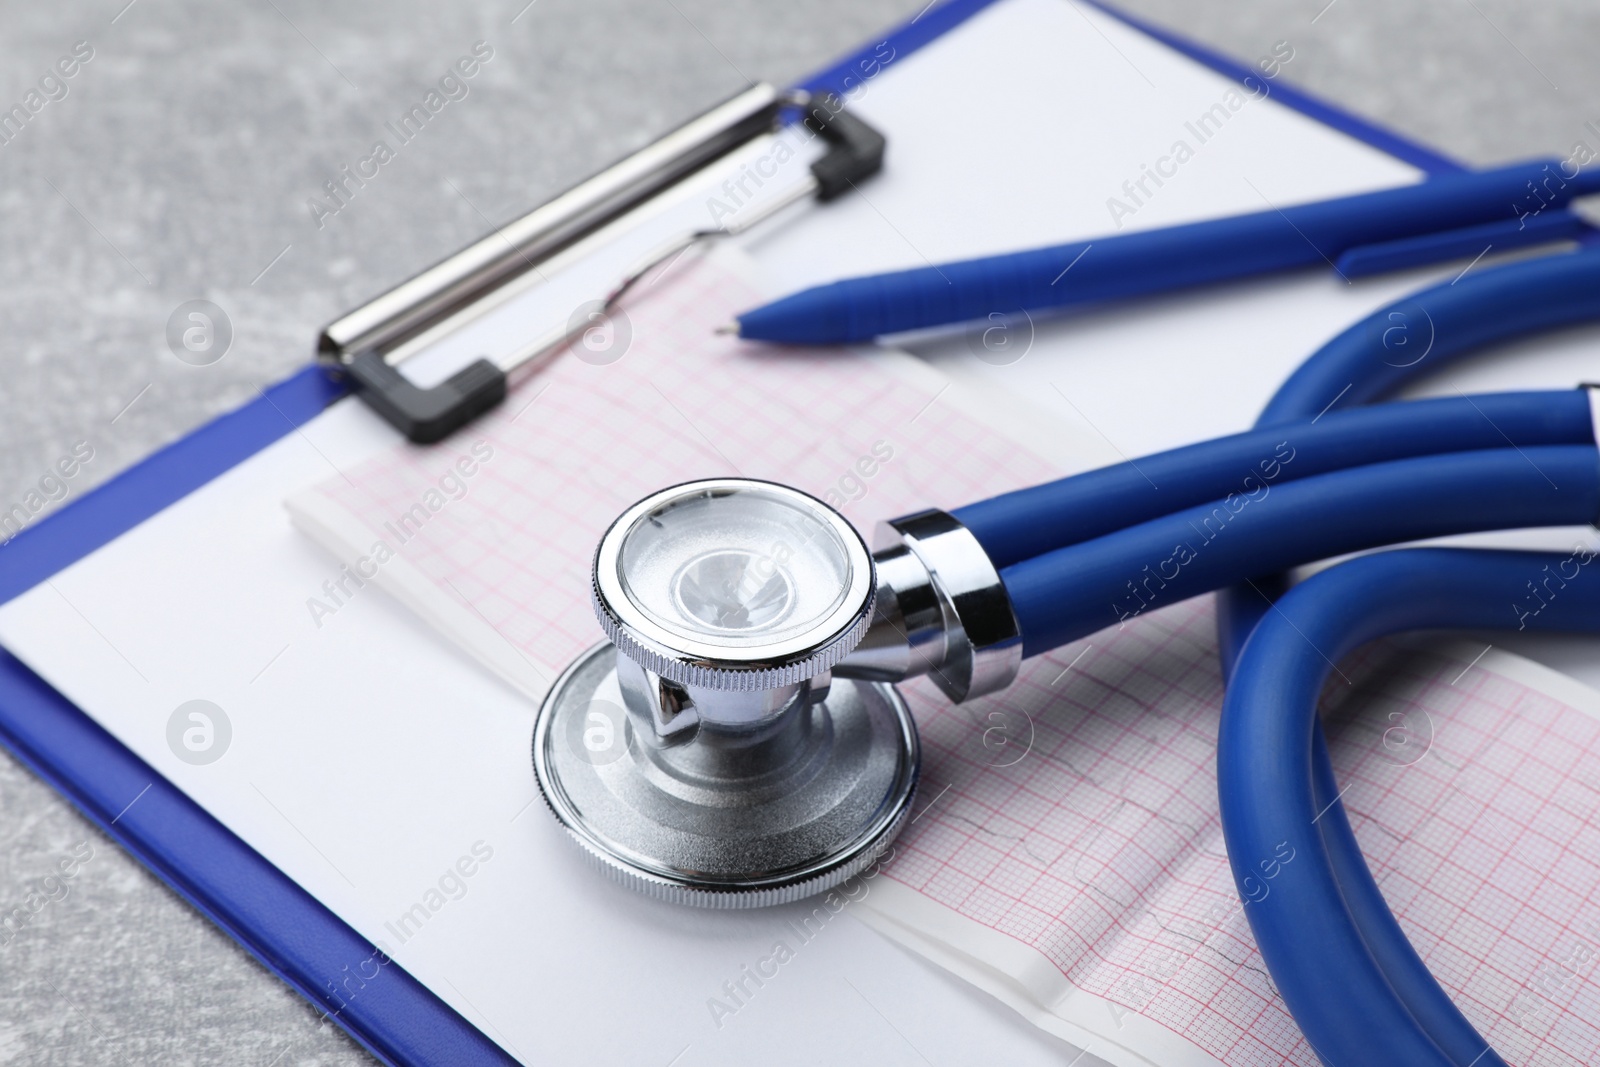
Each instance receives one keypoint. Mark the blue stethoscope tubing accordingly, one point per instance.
(1357, 997)
(1371, 360)
(1084, 552)
(1354, 368)
(1029, 523)
(1074, 591)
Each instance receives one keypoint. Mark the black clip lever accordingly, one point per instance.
(431, 414)
(856, 151)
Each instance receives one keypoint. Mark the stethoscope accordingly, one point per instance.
(738, 740)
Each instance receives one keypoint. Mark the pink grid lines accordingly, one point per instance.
(578, 443)
(1099, 844)
(1101, 849)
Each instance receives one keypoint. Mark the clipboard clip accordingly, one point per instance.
(360, 343)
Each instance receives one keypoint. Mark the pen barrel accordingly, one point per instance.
(1152, 261)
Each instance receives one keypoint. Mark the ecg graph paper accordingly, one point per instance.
(1081, 819)
(1076, 812)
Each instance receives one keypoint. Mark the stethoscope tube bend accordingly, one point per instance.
(1389, 349)
(1267, 763)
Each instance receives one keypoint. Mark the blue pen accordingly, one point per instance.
(1442, 218)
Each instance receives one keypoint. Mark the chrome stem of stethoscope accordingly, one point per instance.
(941, 610)
(738, 740)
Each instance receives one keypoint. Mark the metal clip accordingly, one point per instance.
(360, 341)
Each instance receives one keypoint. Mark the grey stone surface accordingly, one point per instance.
(178, 167)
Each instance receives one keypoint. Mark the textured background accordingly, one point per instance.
(178, 167)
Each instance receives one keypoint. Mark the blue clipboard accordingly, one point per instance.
(396, 1018)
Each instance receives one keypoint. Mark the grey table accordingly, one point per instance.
(178, 166)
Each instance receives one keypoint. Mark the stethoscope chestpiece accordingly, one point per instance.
(705, 753)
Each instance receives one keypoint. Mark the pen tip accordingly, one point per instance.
(728, 328)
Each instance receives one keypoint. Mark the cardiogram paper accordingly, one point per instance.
(1067, 854)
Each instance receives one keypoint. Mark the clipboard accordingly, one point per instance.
(397, 1018)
